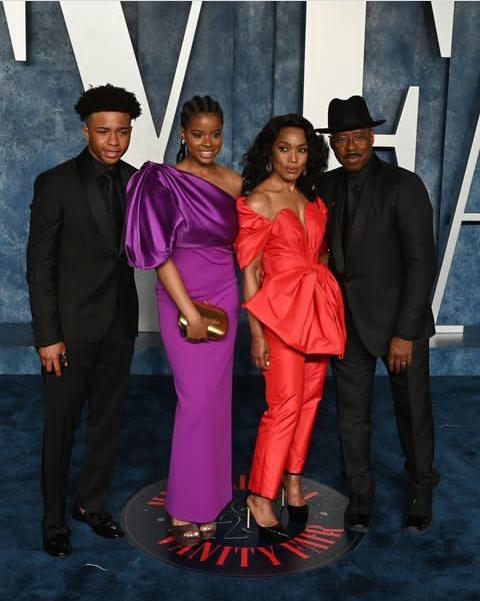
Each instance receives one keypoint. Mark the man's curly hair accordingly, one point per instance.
(260, 154)
(107, 98)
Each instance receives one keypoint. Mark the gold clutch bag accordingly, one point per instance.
(215, 331)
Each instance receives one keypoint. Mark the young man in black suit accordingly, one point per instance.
(382, 252)
(85, 310)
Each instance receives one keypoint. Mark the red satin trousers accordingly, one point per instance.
(294, 387)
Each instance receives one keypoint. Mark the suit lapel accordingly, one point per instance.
(335, 197)
(95, 199)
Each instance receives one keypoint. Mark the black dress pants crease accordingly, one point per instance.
(97, 372)
(354, 378)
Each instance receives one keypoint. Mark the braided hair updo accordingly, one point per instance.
(196, 106)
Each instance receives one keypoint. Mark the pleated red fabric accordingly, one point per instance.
(299, 300)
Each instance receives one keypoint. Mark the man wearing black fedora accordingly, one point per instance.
(382, 252)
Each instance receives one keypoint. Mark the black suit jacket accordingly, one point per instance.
(75, 270)
(389, 267)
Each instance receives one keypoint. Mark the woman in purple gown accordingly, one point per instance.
(181, 221)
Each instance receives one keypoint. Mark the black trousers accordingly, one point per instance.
(97, 373)
(354, 378)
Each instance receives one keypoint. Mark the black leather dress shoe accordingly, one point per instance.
(357, 522)
(57, 545)
(417, 523)
(418, 513)
(101, 523)
(357, 513)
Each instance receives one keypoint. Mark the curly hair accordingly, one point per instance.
(259, 155)
(107, 98)
(196, 106)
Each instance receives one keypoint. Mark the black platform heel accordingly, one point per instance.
(273, 534)
(296, 513)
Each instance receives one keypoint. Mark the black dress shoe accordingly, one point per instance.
(418, 513)
(357, 522)
(101, 523)
(357, 513)
(417, 523)
(57, 545)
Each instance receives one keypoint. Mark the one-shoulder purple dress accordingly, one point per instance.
(171, 213)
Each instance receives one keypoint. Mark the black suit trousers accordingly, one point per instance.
(354, 378)
(97, 374)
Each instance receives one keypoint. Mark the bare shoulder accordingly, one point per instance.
(260, 202)
(231, 179)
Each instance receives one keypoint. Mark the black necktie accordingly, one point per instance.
(113, 199)
(351, 201)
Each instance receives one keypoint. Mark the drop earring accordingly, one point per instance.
(182, 152)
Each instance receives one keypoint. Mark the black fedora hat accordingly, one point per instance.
(344, 115)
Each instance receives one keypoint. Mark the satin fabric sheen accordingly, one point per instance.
(301, 308)
(293, 389)
(171, 213)
(299, 300)
(169, 209)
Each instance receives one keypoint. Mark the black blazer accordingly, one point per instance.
(389, 267)
(75, 270)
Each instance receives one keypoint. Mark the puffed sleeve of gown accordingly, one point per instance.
(253, 232)
(151, 221)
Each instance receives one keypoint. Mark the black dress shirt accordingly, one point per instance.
(110, 185)
(355, 183)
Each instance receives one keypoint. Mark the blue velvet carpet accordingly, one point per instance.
(443, 563)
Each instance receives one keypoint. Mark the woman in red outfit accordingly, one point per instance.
(294, 304)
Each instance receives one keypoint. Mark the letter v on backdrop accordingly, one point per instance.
(105, 23)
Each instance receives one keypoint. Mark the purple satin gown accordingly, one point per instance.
(171, 213)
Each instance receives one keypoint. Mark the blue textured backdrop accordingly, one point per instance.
(250, 56)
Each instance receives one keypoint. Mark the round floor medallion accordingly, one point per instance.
(237, 551)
